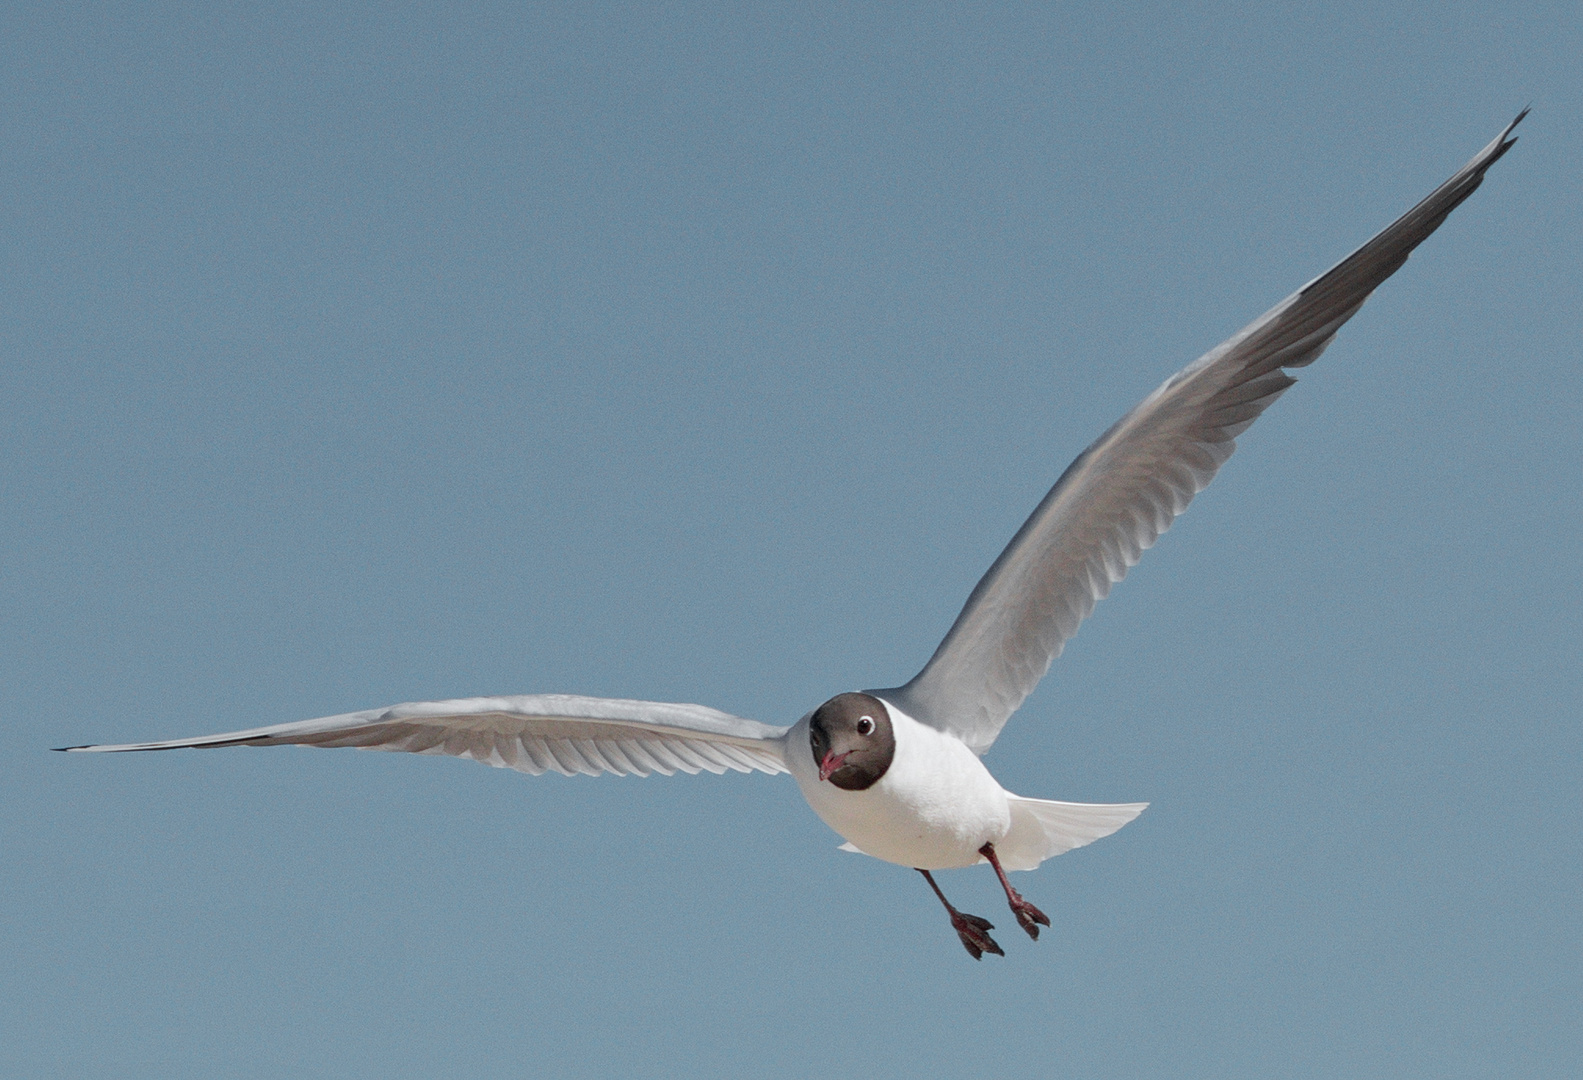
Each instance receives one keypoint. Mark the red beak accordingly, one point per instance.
(832, 761)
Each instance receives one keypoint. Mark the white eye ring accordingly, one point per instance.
(865, 726)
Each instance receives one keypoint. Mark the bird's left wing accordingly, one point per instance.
(1115, 500)
(533, 733)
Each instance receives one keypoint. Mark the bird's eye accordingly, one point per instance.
(865, 726)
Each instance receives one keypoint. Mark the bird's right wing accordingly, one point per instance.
(533, 733)
(1115, 500)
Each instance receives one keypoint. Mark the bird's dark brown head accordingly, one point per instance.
(852, 740)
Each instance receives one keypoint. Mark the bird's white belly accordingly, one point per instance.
(933, 809)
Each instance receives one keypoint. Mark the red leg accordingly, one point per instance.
(973, 930)
(1029, 917)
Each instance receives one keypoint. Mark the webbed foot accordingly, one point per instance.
(1029, 917)
(974, 933)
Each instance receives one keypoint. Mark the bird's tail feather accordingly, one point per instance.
(1042, 829)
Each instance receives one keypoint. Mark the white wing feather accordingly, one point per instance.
(534, 734)
(1115, 500)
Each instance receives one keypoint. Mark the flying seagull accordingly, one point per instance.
(896, 772)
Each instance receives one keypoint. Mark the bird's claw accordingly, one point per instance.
(1029, 917)
(974, 933)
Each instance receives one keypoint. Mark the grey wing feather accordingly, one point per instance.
(1115, 500)
(533, 733)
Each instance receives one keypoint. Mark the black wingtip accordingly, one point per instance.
(1526, 110)
(1505, 140)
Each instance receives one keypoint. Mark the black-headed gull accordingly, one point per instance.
(897, 772)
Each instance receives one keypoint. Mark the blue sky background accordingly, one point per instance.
(359, 354)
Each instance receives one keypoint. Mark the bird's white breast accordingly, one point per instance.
(933, 809)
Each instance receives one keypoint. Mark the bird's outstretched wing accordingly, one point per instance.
(533, 734)
(1115, 500)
